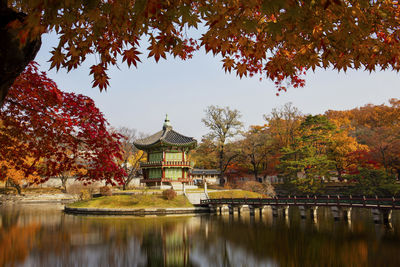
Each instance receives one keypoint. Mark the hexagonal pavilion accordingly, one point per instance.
(167, 157)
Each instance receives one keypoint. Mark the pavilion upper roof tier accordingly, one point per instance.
(166, 137)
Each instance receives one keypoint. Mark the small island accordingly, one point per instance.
(152, 202)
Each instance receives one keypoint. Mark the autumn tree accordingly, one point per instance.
(205, 154)
(283, 124)
(378, 127)
(232, 167)
(15, 177)
(341, 149)
(257, 151)
(344, 147)
(375, 127)
(224, 124)
(57, 132)
(131, 156)
(277, 39)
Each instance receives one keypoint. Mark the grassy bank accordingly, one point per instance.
(134, 202)
(234, 194)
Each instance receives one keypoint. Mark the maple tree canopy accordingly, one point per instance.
(46, 132)
(276, 39)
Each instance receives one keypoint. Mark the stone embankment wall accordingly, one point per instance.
(139, 212)
(56, 182)
(38, 198)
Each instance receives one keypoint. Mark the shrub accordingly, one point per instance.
(77, 187)
(169, 194)
(105, 191)
(85, 195)
(252, 186)
(373, 182)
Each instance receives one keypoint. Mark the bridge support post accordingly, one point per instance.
(382, 215)
(231, 207)
(261, 210)
(387, 216)
(224, 208)
(240, 209)
(313, 212)
(338, 212)
(285, 210)
(251, 210)
(274, 211)
(346, 211)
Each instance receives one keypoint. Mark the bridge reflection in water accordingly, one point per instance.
(340, 206)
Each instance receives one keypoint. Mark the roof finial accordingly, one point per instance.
(167, 124)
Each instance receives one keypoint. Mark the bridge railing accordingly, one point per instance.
(349, 201)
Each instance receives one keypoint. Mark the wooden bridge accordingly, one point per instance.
(341, 206)
(341, 201)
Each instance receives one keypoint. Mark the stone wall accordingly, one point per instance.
(56, 182)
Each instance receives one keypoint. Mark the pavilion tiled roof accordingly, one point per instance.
(166, 136)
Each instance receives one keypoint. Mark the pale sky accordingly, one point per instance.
(140, 98)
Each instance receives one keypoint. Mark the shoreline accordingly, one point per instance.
(17, 201)
(138, 212)
(37, 199)
(55, 201)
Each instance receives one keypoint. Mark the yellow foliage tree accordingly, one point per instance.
(342, 144)
(15, 177)
(377, 127)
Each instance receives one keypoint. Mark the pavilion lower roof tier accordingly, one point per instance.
(166, 137)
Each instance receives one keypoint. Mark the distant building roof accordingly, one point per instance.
(205, 171)
(166, 136)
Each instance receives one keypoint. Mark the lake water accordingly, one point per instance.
(42, 235)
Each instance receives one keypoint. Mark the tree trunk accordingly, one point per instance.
(221, 164)
(255, 170)
(382, 150)
(14, 56)
(15, 185)
(265, 170)
(128, 180)
(64, 184)
(265, 178)
(256, 165)
(340, 175)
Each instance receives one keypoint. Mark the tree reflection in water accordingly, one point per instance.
(44, 236)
